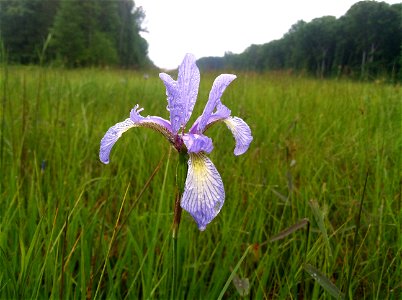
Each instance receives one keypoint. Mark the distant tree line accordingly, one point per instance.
(366, 42)
(73, 33)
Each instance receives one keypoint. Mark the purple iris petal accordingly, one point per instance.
(111, 137)
(189, 81)
(221, 113)
(204, 194)
(197, 142)
(153, 122)
(173, 96)
(241, 132)
(219, 86)
(114, 133)
(182, 94)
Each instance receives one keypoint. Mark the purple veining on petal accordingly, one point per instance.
(189, 81)
(219, 86)
(241, 132)
(196, 143)
(204, 193)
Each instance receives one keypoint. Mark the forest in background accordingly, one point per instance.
(73, 33)
(364, 43)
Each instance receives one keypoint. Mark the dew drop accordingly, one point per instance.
(167, 107)
(176, 118)
(217, 205)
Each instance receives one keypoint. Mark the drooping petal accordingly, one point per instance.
(204, 193)
(111, 137)
(219, 86)
(241, 132)
(136, 120)
(182, 94)
(197, 142)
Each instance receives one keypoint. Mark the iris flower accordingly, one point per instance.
(204, 193)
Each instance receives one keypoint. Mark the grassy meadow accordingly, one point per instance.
(73, 228)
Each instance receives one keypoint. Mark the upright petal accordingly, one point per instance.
(182, 94)
(173, 96)
(135, 120)
(189, 81)
(204, 193)
(219, 86)
(197, 143)
(241, 132)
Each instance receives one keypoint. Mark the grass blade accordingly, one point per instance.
(319, 218)
(323, 281)
(233, 274)
(115, 229)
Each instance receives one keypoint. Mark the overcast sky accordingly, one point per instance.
(212, 27)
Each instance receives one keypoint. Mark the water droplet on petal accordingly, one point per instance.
(167, 107)
(176, 118)
(217, 205)
(179, 108)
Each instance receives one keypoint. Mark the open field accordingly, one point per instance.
(73, 227)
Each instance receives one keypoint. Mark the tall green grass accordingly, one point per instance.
(71, 227)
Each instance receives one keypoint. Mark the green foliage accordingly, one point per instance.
(84, 33)
(373, 31)
(24, 27)
(71, 226)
